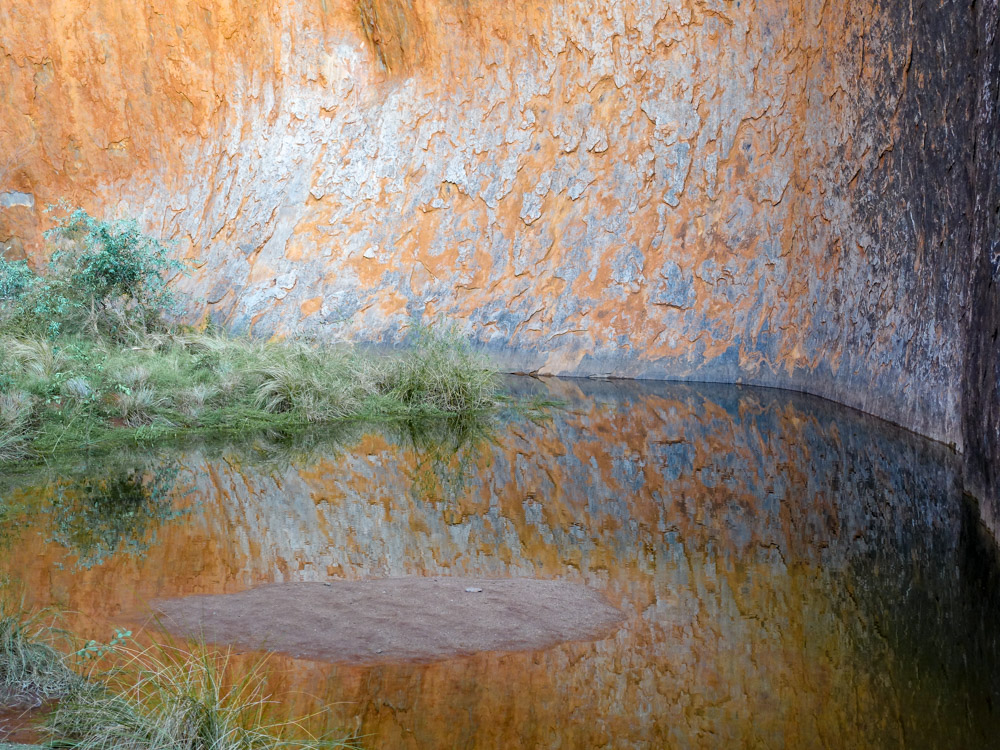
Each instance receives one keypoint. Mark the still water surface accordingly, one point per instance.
(791, 573)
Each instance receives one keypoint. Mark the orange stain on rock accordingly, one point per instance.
(475, 152)
(310, 306)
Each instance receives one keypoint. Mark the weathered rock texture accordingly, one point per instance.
(768, 192)
(982, 395)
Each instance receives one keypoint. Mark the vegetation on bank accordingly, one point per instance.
(31, 669)
(161, 697)
(87, 357)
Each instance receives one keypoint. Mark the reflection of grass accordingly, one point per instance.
(11, 515)
(108, 504)
(280, 449)
(446, 450)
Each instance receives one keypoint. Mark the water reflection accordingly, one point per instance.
(108, 505)
(794, 574)
(97, 517)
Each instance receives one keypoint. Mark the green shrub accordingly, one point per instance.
(16, 280)
(104, 277)
(113, 262)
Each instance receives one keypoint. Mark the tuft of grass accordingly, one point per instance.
(139, 406)
(17, 421)
(77, 388)
(162, 697)
(441, 373)
(167, 698)
(31, 669)
(38, 357)
(193, 400)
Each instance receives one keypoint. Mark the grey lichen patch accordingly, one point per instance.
(674, 287)
(14, 199)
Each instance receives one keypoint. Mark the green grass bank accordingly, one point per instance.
(71, 391)
(88, 358)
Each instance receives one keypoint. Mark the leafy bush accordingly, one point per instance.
(104, 277)
(16, 280)
(113, 262)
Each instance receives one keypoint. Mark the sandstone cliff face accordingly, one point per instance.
(763, 192)
(982, 372)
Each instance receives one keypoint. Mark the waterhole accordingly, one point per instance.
(775, 571)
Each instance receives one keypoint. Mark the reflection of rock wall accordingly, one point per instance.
(761, 191)
(791, 573)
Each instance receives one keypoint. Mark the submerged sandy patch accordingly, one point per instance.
(395, 619)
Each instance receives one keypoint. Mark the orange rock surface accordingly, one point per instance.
(723, 190)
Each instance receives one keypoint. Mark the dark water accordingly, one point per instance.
(793, 574)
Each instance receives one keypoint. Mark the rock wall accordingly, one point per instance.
(982, 371)
(764, 192)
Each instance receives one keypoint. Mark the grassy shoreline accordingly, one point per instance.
(159, 697)
(89, 359)
(72, 391)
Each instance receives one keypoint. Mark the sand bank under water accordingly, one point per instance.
(16, 726)
(394, 619)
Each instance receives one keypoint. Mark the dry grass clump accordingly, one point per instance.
(37, 356)
(139, 406)
(77, 388)
(440, 374)
(17, 420)
(193, 400)
(169, 698)
(31, 669)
